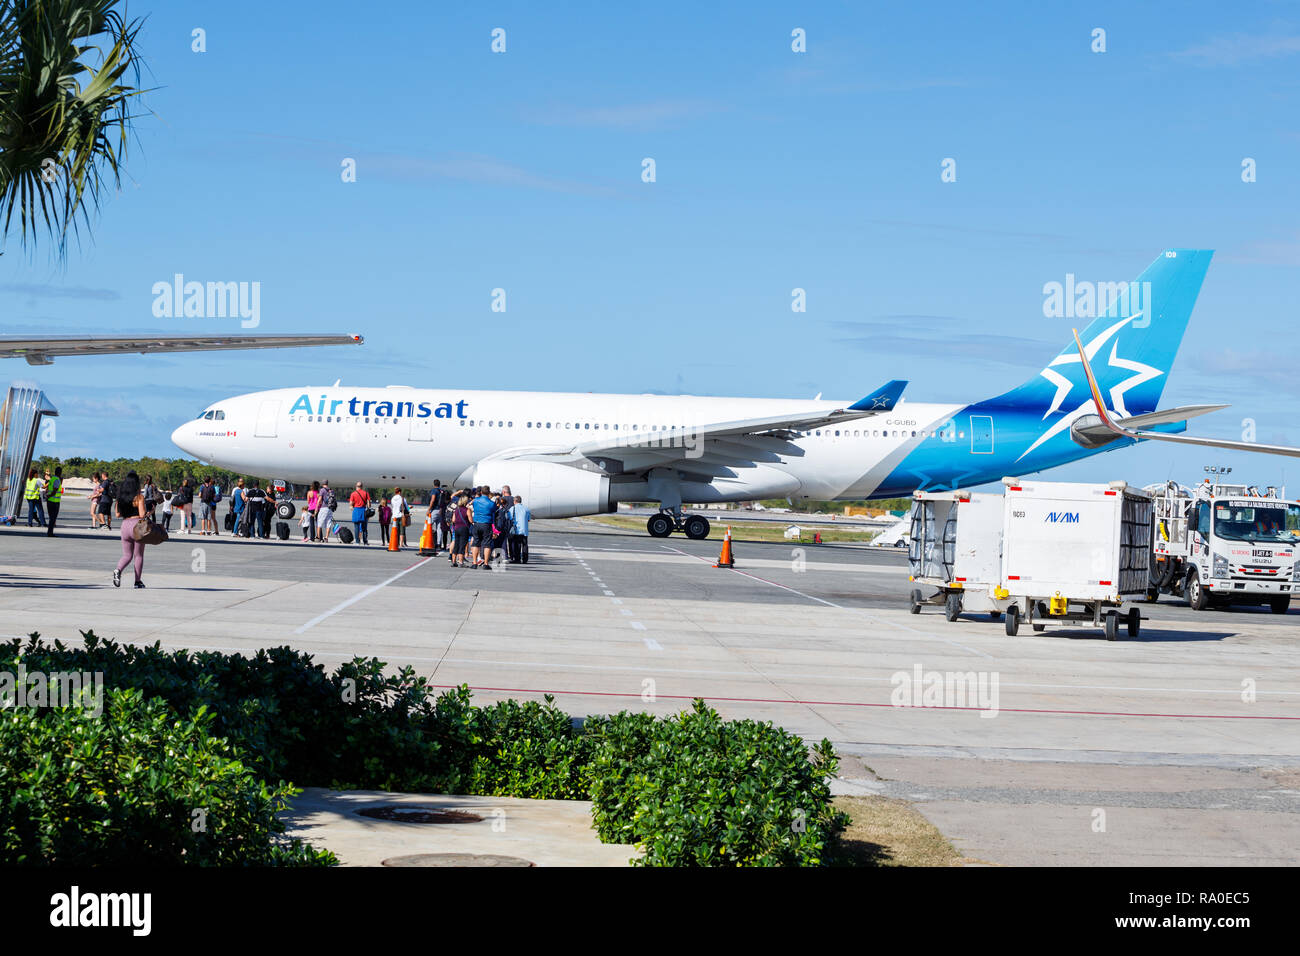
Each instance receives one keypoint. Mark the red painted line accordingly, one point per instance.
(849, 703)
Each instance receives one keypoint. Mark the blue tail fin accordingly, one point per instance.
(1131, 346)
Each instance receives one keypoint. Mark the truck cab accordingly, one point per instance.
(1220, 545)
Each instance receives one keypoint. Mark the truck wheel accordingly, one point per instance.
(1134, 622)
(1153, 595)
(1196, 595)
(1013, 620)
(1111, 625)
(1279, 605)
(1039, 627)
(917, 601)
(952, 606)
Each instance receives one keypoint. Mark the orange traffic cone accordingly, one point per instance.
(395, 536)
(725, 558)
(426, 539)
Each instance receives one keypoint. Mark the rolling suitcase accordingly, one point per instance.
(282, 530)
(345, 535)
(230, 521)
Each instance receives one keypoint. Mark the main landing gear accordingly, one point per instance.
(664, 523)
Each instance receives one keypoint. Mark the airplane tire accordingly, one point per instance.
(696, 527)
(285, 510)
(659, 526)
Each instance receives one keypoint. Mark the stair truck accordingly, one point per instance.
(1224, 544)
(1074, 552)
(955, 552)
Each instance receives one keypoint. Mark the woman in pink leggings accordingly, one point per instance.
(130, 508)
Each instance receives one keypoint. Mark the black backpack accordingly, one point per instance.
(331, 502)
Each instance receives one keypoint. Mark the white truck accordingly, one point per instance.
(1223, 544)
(954, 551)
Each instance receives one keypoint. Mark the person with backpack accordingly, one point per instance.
(482, 510)
(325, 514)
(107, 498)
(208, 506)
(360, 501)
(401, 512)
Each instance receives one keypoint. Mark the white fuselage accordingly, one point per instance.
(403, 435)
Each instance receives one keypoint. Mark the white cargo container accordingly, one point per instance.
(1075, 551)
(955, 551)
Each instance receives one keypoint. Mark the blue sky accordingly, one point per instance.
(774, 170)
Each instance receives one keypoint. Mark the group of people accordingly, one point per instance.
(478, 523)
(474, 525)
(42, 494)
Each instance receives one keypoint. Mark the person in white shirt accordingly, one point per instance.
(324, 513)
(400, 511)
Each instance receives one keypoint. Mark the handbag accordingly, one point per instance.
(148, 532)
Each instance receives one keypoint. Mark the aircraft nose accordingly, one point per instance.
(183, 438)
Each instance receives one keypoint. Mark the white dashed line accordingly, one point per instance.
(638, 625)
(651, 643)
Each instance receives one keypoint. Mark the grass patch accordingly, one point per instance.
(758, 532)
(888, 832)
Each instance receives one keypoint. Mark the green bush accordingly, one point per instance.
(124, 788)
(692, 789)
(697, 790)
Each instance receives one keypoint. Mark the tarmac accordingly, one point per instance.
(1180, 747)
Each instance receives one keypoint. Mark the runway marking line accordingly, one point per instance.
(357, 597)
(841, 607)
(851, 703)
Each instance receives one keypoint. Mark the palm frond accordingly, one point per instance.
(69, 75)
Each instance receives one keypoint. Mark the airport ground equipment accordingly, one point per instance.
(1221, 544)
(954, 554)
(1075, 552)
(20, 421)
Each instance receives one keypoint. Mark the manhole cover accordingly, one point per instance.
(420, 815)
(457, 859)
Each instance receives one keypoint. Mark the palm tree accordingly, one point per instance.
(64, 111)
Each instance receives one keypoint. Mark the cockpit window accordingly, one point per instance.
(220, 415)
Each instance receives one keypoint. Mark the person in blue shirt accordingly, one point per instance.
(519, 515)
(482, 511)
(237, 503)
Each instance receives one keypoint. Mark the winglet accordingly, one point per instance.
(882, 399)
(1092, 386)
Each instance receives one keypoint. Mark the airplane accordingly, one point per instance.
(571, 454)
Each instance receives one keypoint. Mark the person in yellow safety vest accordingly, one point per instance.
(53, 497)
(33, 496)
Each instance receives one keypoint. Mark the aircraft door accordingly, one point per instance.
(981, 435)
(268, 415)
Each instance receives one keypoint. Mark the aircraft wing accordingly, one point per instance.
(715, 449)
(42, 351)
(1136, 426)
